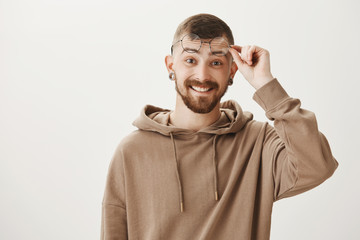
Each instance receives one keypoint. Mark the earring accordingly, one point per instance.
(230, 81)
(172, 76)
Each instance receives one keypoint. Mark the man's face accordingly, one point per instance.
(201, 77)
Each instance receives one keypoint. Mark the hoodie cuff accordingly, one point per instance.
(270, 95)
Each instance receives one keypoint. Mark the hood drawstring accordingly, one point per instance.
(178, 175)
(215, 170)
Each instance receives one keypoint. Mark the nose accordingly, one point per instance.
(202, 72)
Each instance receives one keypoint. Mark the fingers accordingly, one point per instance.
(246, 53)
(250, 54)
(238, 48)
(235, 54)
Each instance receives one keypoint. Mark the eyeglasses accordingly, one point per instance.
(191, 43)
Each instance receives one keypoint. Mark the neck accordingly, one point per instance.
(183, 117)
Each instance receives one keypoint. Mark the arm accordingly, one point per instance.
(114, 221)
(300, 155)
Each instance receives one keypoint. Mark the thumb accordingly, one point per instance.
(235, 54)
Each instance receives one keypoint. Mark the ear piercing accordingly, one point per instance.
(172, 76)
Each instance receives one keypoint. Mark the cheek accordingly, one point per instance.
(182, 72)
(179, 68)
(227, 73)
(223, 74)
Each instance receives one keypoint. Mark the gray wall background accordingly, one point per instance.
(74, 74)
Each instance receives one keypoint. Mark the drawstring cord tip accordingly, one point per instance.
(181, 207)
(216, 196)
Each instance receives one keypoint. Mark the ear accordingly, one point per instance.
(233, 69)
(169, 62)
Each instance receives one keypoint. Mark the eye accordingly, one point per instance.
(190, 60)
(216, 63)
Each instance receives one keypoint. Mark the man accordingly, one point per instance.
(207, 170)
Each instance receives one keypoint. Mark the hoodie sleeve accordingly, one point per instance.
(114, 221)
(298, 153)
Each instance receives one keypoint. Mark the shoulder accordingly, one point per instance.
(254, 126)
(138, 139)
(253, 131)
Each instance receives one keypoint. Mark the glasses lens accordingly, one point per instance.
(219, 46)
(191, 43)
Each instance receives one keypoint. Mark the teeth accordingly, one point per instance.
(200, 89)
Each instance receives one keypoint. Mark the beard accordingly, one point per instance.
(200, 104)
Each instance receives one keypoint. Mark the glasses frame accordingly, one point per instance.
(201, 42)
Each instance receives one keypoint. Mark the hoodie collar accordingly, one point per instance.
(156, 119)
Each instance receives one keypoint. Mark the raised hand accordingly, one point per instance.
(254, 64)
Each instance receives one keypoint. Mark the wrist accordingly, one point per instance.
(260, 82)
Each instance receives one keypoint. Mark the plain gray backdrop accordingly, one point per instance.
(74, 74)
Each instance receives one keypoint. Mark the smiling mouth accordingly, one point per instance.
(201, 89)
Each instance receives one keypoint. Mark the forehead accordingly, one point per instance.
(198, 45)
(194, 36)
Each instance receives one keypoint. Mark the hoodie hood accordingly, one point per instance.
(155, 119)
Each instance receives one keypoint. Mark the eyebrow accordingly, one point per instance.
(210, 53)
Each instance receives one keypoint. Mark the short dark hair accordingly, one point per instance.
(206, 26)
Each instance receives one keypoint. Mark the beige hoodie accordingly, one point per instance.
(167, 183)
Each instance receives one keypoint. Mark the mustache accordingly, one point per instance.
(206, 84)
